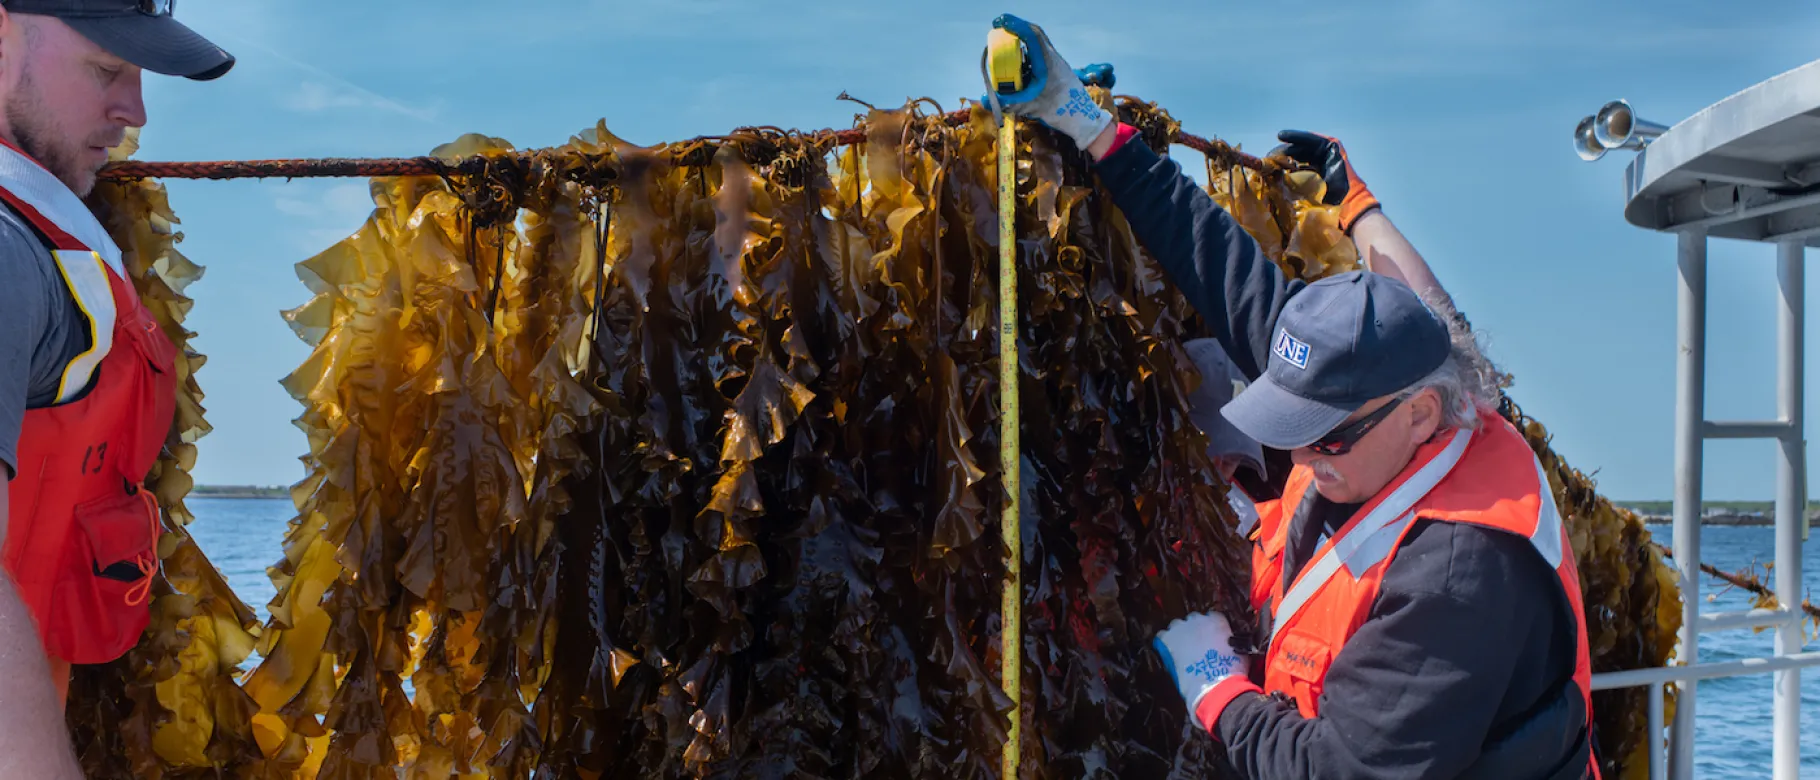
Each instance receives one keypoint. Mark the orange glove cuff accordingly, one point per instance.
(1358, 201)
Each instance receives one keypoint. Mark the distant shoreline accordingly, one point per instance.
(239, 491)
(1735, 513)
(1718, 519)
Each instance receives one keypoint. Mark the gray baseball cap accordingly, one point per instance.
(1339, 343)
(142, 32)
(1220, 380)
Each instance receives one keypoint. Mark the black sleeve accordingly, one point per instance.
(1214, 262)
(1468, 624)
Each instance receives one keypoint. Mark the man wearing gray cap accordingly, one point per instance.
(1420, 611)
(87, 387)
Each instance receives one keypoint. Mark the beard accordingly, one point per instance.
(40, 137)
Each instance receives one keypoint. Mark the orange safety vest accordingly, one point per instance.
(82, 532)
(1487, 477)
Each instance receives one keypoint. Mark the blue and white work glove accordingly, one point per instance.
(1197, 650)
(1055, 95)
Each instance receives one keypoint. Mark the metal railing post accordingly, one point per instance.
(1656, 677)
(1791, 470)
(1690, 417)
(1657, 758)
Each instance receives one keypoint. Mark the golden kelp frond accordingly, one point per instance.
(170, 707)
(441, 405)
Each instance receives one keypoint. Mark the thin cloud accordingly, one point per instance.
(322, 215)
(327, 91)
(313, 97)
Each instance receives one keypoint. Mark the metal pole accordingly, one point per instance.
(1790, 514)
(1656, 769)
(1690, 416)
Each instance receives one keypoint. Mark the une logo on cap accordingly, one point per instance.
(1291, 349)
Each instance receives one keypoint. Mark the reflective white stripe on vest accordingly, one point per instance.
(1374, 535)
(87, 282)
(30, 182)
(1547, 536)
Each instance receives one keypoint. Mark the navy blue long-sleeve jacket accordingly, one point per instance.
(1460, 669)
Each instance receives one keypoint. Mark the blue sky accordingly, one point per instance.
(1457, 114)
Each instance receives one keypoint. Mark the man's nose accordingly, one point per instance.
(128, 104)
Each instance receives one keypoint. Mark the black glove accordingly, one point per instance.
(1344, 187)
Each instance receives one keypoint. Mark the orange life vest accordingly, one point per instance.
(1488, 477)
(82, 532)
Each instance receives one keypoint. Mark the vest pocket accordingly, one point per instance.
(150, 340)
(1304, 660)
(148, 376)
(99, 604)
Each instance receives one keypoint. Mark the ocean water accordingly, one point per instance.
(243, 536)
(1732, 715)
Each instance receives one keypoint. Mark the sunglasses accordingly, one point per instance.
(1339, 441)
(157, 7)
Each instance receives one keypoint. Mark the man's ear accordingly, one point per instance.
(8, 23)
(17, 37)
(1424, 415)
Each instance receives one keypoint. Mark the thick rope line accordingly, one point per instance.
(344, 167)
(290, 169)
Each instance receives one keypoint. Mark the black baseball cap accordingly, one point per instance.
(1339, 343)
(142, 32)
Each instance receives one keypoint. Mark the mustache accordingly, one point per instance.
(1324, 471)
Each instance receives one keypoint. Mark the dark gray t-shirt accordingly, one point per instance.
(43, 330)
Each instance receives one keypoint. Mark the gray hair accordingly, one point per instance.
(1466, 382)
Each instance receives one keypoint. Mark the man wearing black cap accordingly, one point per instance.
(1420, 612)
(86, 381)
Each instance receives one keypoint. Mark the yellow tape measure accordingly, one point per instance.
(1008, 445)
(1005, 62)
